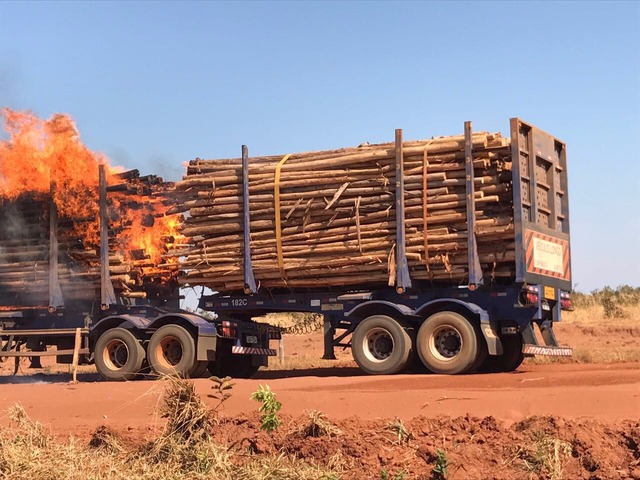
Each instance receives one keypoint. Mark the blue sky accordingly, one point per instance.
(154, 84)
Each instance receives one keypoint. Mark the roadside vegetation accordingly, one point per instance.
(197, 442)
(606, 305)
(294, 323)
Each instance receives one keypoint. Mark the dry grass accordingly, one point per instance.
(593, 314)
(400, 432)
(319, 426)
(183, 451)
(545, 456)
(107, 440)
(185, 440)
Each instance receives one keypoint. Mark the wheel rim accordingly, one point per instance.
(115, 354)
(378, 344)
(445, 342)
(169, 352)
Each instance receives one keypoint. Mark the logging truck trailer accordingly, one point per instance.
(486, 324)
(125, 337)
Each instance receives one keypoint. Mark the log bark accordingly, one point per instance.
(337, 211)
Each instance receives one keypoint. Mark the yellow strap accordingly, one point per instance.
(276, 201)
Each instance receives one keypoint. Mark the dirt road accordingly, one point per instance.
(602, 392)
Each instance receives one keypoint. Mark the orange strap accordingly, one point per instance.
(278, 226)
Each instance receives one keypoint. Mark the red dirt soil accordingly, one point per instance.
(603, 392)
(483, 421)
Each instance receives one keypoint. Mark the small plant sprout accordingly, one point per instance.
(221, 390)
(400, 431)
(269, 408)
(399, 475)
(439, 471)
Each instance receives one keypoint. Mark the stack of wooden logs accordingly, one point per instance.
(25, 241)
(337, 210)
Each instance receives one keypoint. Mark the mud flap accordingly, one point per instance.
(206, 348)
(494, 345)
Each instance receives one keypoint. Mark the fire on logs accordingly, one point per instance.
(50, 195)
(136, 221)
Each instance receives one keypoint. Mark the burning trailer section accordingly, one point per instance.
(47, 259)
(83, 268)
(73, 225)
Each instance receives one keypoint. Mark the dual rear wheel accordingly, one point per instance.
(119, 354)
(446, 343)
(509, 361)
(380, 345)
(172, 351)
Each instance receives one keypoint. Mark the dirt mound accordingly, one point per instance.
(467, 447)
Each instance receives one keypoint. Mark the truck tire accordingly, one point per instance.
(447, 343)
(482, 355)
(510, 360)
(118, 355)
(172, 351)
(380, 346)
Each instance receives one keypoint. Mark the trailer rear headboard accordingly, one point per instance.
(541, 207)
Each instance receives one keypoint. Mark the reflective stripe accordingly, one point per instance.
(253, 351)
(548, 351)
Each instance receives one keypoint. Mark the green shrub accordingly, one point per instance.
(269, 408)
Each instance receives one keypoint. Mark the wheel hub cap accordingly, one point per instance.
(447, 342)
(116, 354)
(378, 344)
(171, 350)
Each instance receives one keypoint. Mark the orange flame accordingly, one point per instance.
(41, 153)
(153, 240)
